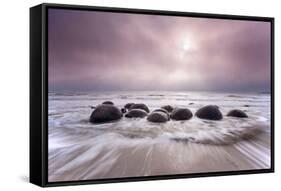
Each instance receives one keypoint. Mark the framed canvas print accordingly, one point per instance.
(128, 94)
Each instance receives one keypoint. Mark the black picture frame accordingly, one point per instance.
(39, 93)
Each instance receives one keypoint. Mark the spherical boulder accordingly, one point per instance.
(179, 114)
(162, 110)
(168, 108)
(105, 113)
(108, 103)
(123, 110)
(128, 105)
(157, 117)
(140, 106)
(136, 113)
(237, 113)
(210, 112)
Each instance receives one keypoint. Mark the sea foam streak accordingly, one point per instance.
(80, 150)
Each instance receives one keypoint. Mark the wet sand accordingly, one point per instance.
(147, 157)
(80, 150)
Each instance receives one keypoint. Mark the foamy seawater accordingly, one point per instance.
(76, 141)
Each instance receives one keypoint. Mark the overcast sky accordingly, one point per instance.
(115, 51)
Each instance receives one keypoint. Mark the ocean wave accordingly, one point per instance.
(195, 130)
(80, 150)
(220, 137)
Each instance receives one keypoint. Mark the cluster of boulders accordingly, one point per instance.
(107, 112)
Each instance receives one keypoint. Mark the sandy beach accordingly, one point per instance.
(80, 150)
(117, 159)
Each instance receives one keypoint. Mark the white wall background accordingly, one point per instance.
(14, 92)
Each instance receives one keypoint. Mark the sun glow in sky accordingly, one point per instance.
(185, 48)
(187, 45)
(113, 51)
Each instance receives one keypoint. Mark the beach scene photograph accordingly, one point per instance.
(139, 95)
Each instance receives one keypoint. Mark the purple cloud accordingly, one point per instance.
(114, 51)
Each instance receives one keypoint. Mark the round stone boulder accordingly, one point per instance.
(128, 105)
(162, 110)
(168, 108)
(105, 113)
(157, 117)
(179, 114)
(237, 113)
(123, 110)
(108, 103)
(210, 112)
(140, 106)
(136, 113)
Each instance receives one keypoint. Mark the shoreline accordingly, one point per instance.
(117, 159)
(80, 150)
